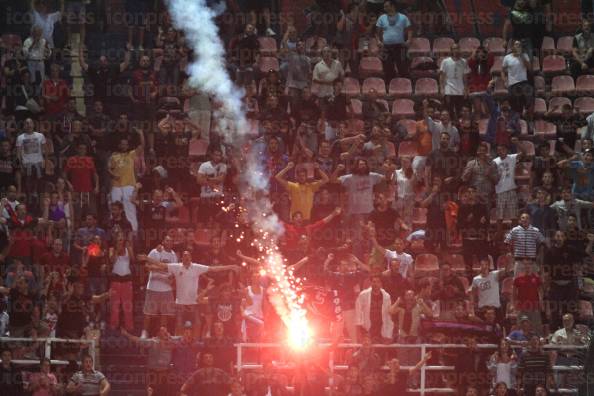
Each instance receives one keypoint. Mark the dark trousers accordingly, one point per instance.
(562, 300)
(521, 96)
(472, 248)
(394, 55)
(454, 105)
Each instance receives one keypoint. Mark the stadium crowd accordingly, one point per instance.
(457, 213)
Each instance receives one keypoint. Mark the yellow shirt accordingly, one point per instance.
(122, 165)
(302, 196)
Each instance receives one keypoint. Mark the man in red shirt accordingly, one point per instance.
(55, 92)
(528, 297)
(55, 260)
(22, 226)
(81, 173)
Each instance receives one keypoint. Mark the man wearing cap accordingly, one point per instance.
(519, 337)
(187, 275)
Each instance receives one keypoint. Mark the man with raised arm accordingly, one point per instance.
(187, 275)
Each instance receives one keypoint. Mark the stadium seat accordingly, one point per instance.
(565, 45)
(495, 45)
(558, 101)
(409, 125)
(584, 85)
(540, 107)
(553, 64)
(500, 88)
(351, 87)
(423, 66)
(198, 147)
(266, 63)
(539, 85)
(562, 85)
(267, 46)
(419, 46)
(426, 263)
(497, 63)
(468, 45)
(426, 87)
(585, 104)
(374, 83)
(370, 66)
(372, 47)
(442, 46)
(400, 87)
(547, 129)
(403, 108)
(357, 107)
(456, 261)
(407, 149)
(548, 45)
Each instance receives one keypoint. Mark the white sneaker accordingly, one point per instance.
(144, 335)
(270, 32)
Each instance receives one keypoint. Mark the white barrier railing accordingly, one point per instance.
(48, 347)
(423, 347)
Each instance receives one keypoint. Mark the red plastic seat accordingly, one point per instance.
(407, 149)
(539, 85)
(425, 87)
(266, 63)
(584, 85)
(585, 105)
(562, 85)
(372, 47)
(370, 66)
(504, 260)
(357, 107)
(442, 46)
(426, 262)
(419, 46)
(542, 127)
(267, 46)
(558, 101)
(374, 83)
(540, 106)
(400, 87)
(565, 45)
(553, 64)
(351, 87)
(403, 108)
(500, 88)
(495, 45)
(548, 45)
(409, 125)
(197, 147)
(468, 45)
(456, 261)
(497, 65)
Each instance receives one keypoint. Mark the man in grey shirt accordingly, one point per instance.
(88, 382)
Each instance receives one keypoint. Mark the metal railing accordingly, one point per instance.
(333, 367)
(48, 348)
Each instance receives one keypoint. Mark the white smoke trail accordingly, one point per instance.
(208, 73)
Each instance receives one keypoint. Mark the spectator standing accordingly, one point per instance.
(22, 299)
(326, 72)
(144, 90)
(302, 192)
(479, 63)
(36, 52)
(386, 221)
(515, 71)
(298, 72)
(82, 174)
(453, 79)
(503, 364)
(473, 225)
(582, 50)
(120, 258)
(55, 92)
(449, 290)
(543, 216)
(524, 240)
(534, 367)
(484, 291)
(11, 380)
(483, 174)
(505, 189)
(88, 381)
(528, 297)
(444, 162)
(31, 149)
(394, 34)
(569, 205)
(246, 51)
(210, 177)
(372, 312)
(582, 173)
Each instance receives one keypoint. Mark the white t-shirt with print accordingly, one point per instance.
(211, 170)
(406, 261)
(32, 144)
(186, 281)
(488, 289)
(507, 170)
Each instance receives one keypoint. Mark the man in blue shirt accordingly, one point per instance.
(582, 173)
(394, 34)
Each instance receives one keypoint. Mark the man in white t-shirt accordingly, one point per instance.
(211, 175)
(159, 301)
(453, 80)
(187, 277)
(31, 153)
(485, 287)
(505, 189)
(406, 261)
(515, 70)
(394, 33)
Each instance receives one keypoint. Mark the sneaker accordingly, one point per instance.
(270, 32)
(143, 335)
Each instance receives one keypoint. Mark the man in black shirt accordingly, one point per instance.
(473, 224)
(386, 221)
(445, 163)
(245, 54)
(11, 381)
(118, 222)
(20, 307)
(9, 166)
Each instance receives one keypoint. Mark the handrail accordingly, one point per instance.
(48, 348)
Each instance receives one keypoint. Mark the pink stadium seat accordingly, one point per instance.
(423, 66)
(357, 107)
(584, 85)
(400, 87)
(548, 45)
(540, 106)
(497, 63)
(426, 87)
(410, 126)
(266, 63)
(495, 45)
(542, 127)
(565, 45)
(419, 46)
(500, 88)
(426, 263)
(562, 85)
(539, 85)
(385, 103)
(351, 87)
(370, 66)
(553, 64)
(372, 47)
(267, 46)
(585, 105)
(197, 148)
(407, 149)
(558, 101)
(403, 108)
(374, 83)
(442, 45)
(468, 45)
(456, 261)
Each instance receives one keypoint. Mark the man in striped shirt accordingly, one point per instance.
(524, 240)
(534, 368)
(88, 382)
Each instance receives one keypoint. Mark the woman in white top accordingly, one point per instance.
(503, 364)
(405, 180)
(252, 313)
(120, 256)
